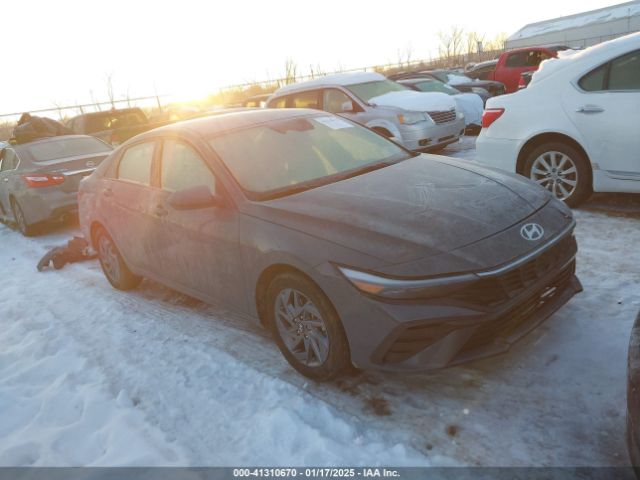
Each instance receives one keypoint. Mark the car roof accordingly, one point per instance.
(214, 124)
(338, 79)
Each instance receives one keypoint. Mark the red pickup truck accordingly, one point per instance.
(514, 62)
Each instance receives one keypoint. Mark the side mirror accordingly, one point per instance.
(194, 198)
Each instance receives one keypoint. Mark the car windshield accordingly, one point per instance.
(66, 147)
(368, 90)
(435, 86)
(287, 156)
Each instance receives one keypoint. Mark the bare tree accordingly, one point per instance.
(108, 78)
(59, 109)
(290, 71)
(451, 44)
(405, 55)
(95, 102)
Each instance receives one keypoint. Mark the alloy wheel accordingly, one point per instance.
(556, 172)
(109, 258)
(301, 327)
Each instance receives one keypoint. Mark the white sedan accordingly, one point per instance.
(576, 128)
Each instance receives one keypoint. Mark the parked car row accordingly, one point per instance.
(305, 201)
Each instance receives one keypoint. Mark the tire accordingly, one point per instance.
(317, 346)
(572, 172)
(112, 263)
(21, 222)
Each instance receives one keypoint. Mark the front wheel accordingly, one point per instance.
(562, 170)
(113, 264)
(306, 327)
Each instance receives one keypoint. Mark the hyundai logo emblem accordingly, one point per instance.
(532, 232)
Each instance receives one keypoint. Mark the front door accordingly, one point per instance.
(198, 248)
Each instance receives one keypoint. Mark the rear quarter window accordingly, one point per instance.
(594, 80)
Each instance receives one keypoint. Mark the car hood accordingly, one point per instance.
(415, 101)
(420, 207)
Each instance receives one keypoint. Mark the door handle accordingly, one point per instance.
(590, 109)
(160, 211)
(107, 192)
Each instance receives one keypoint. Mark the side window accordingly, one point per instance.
(625, 72)
(517, 59)
(183, 168)
(135, 163)
(594, 80)
(622, 73)
(9, 160)
(336, 101)
(534, 58)
(306, 99)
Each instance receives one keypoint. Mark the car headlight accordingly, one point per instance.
(394, 288)
(479, 90)
(409, 118)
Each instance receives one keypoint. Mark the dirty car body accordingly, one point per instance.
(39, 180)
(423, 257)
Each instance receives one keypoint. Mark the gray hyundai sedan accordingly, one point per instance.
(349, 248)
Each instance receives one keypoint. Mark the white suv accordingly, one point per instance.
(576, 128)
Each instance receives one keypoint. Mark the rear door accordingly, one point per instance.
(197, 249)
(604, 106)
(126, 202)
(8, 165)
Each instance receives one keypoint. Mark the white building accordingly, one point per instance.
(582, 29)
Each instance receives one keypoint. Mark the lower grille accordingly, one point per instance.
(418, 337)
(505, 325)
(443, 117)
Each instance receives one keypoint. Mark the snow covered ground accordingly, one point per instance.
(93, 376)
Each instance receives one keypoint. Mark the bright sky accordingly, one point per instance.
(59, 51)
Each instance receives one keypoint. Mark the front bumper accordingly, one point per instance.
(465, 325)
(426, 136)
